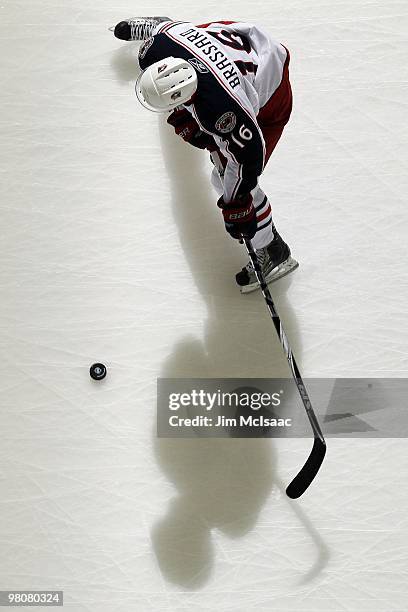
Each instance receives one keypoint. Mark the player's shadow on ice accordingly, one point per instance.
(221, 483)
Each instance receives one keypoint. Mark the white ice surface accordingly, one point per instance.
(112, 250)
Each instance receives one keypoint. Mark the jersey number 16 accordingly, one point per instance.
(244, 133)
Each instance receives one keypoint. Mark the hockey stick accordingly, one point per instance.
(308, 472)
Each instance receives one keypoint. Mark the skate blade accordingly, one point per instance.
(280, 271)
(112, 28)
(163, 19)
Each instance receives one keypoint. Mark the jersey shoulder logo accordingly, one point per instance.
(226, 123)
(198, 65)
(145, 47)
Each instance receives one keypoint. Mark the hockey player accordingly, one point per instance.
(227, 86)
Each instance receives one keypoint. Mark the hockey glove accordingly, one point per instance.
(188, 129)
(239, 216)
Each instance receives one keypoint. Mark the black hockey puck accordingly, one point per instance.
(97, 371)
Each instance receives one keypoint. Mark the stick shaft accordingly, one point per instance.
(285, 343)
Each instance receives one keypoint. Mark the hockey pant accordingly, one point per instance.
(272, 119)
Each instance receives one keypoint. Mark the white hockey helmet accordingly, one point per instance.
(166, 84)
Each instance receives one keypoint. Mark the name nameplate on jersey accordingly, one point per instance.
(211, 53)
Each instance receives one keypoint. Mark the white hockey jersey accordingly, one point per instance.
(239, 67)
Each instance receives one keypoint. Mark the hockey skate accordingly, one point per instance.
(275, 261)
(137, 28)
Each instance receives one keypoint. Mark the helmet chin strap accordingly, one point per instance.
(191, 100)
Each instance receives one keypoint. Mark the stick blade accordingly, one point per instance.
(308, 472)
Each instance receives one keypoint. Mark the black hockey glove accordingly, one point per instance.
(239, 216)
(188, 129)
